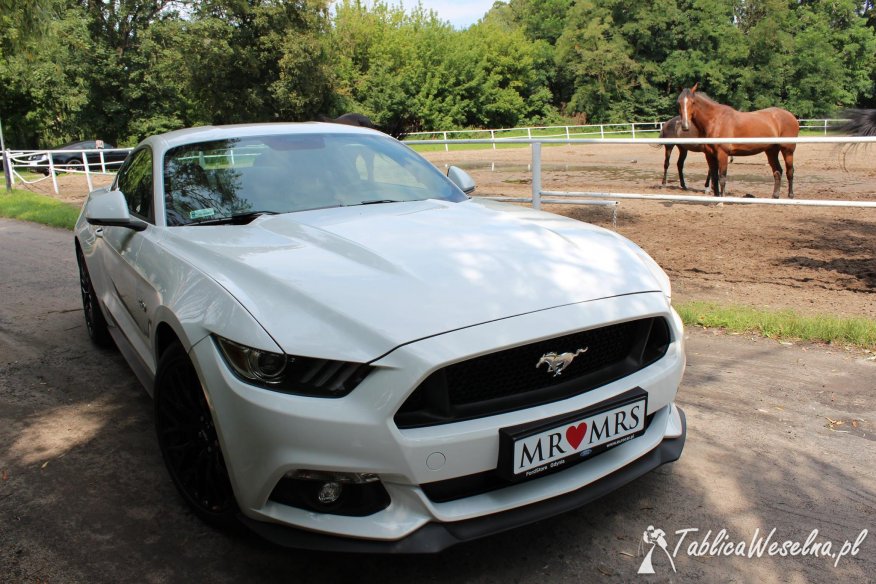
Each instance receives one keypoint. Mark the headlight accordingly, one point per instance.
(291, 374)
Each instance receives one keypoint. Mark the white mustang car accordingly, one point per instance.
(346, 352)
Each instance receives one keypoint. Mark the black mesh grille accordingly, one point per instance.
(509, 380)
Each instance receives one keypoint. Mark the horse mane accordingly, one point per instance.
(705, 97)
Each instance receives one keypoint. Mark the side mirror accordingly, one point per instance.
(461, 179)
(110, 209)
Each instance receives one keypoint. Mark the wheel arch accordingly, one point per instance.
(165, 335)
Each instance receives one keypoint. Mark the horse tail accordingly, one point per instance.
(862, 122)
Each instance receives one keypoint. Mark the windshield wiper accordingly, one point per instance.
(239, 219)
(379, 201)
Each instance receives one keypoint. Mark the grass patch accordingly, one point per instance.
(29, 206)
(782, 324)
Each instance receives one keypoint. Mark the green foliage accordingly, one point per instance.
(125, 69)
(414, 71)
(628, 61)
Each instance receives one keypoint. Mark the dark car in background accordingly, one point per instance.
(73, 156)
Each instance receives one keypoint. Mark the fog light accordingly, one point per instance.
(336, 493)
(329, 493)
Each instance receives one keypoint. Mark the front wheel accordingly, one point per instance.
(188, 440)
(95, 322)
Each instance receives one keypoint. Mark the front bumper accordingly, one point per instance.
(435, 537)
(265, 434)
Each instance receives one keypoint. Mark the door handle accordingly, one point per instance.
(98, 232)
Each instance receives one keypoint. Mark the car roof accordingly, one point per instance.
(75, 143)
(163, 142)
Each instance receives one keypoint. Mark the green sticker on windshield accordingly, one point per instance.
(201, 213)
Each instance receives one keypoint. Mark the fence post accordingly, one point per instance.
(87, 171)
(493, 138)
(568, 137)
(52, 171)
(633, 126)
(529, 133)
(536, 175)
(7, 164)
(7, 170)
(602, 131)
(102, 163)
(825, 127)
(446, 145)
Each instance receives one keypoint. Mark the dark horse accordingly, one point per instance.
(861, 122)
(673, 129)
(714, 120)
(398, 129)
(351, 119)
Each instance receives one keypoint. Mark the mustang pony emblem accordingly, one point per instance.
(557, 363)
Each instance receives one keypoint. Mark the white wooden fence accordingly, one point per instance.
(575, 197)
(535, 136)
(28, 161)
(601, 131)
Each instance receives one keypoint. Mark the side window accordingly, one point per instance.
(135, 182)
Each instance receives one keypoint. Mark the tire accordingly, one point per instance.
(95, 322)
(75, 164)
(188, 440)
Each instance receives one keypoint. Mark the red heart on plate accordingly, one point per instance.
(575, 434)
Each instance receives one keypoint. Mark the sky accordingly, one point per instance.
(460, 13)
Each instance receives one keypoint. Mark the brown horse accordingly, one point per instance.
(714, 120)
(673, 129)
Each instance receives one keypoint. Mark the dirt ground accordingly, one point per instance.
(811, 259)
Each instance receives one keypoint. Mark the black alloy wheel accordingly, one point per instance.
(95, 322)
(188, 440)
(75, 164)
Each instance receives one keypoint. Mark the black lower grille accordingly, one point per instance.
(510, 380)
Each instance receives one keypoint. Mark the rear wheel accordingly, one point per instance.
(188, 440)
(95, 322)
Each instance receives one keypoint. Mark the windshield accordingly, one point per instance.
(224, 179)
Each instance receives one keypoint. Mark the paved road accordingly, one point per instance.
(84, 496)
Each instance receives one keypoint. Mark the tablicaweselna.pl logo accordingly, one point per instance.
(655, 546)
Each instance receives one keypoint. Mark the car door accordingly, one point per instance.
(129, 294)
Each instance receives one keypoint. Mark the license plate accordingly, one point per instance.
(538, 448)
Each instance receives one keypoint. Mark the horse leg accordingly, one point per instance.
(682, 155)
(722, 160)
(713, 173)
(773, 158)
(668, 150)
(788, 155)
(708, 177)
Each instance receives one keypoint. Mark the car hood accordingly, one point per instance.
(354, 283)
